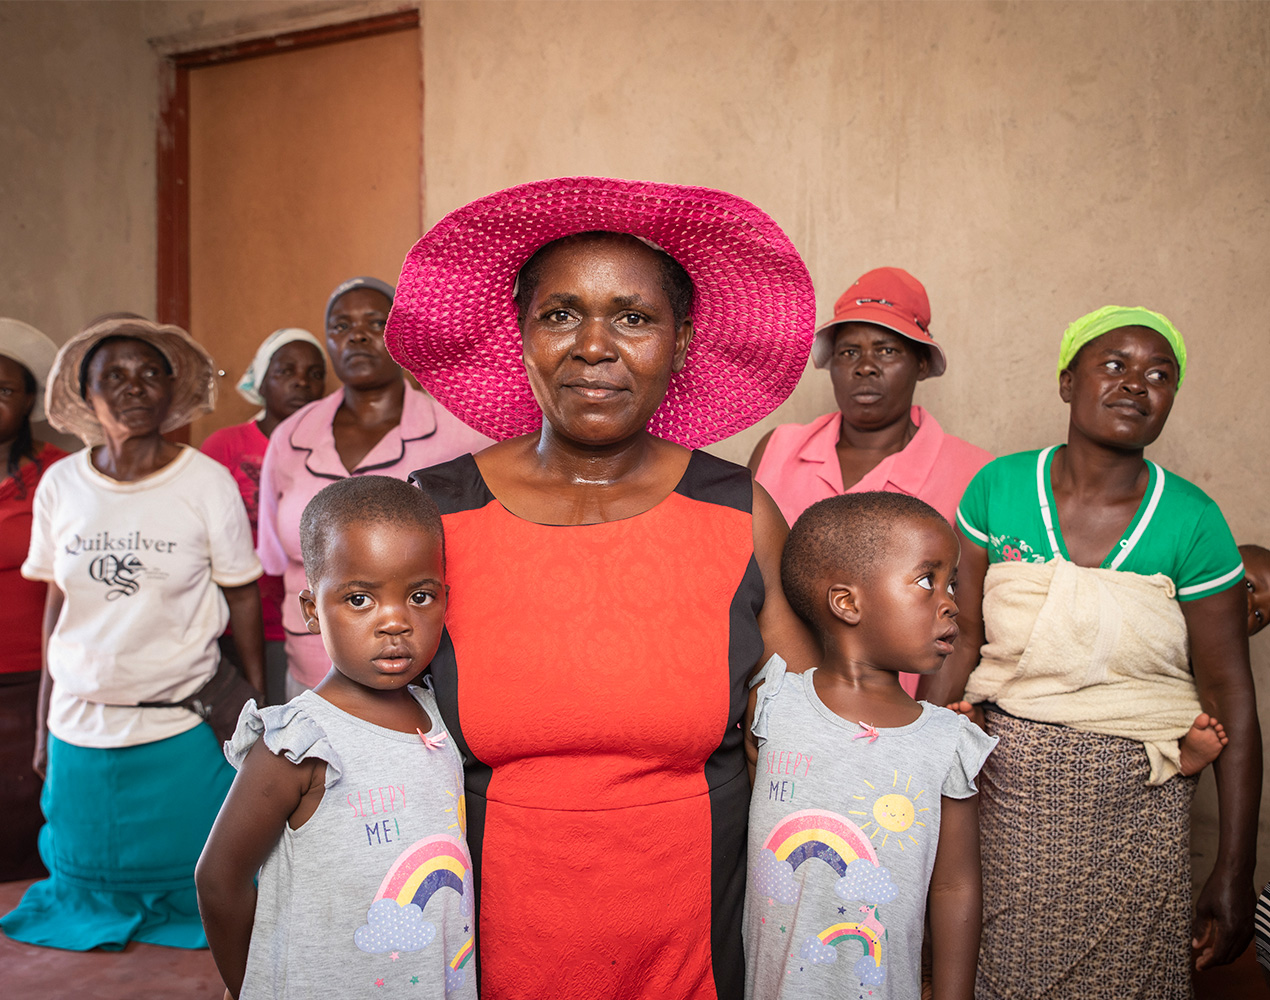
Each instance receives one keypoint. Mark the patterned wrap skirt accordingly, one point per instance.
(1086, 868)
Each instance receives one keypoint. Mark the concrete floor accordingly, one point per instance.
(148, 972)
(139, 972)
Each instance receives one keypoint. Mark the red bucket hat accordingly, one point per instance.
(889, 297)
(453, 322)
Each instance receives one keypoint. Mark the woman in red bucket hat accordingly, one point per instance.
(877, 347)
(611, 588)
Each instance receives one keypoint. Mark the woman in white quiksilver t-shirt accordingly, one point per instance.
(147, 551)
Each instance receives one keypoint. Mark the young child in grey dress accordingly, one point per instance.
(348, 801)
(864, 800)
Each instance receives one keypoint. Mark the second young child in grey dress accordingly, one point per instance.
(864, 800)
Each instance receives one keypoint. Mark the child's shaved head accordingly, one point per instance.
(841, 536)
(362, 500)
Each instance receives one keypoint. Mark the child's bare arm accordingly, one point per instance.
(267, 791)
(956, 901)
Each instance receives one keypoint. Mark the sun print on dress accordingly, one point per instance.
(895, 815)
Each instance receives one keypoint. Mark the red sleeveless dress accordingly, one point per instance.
(593, 677)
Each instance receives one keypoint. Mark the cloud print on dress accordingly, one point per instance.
(867, 882)
(454, 979)
(390, 927)
(867, 971)
(775, 878)
(817, 952)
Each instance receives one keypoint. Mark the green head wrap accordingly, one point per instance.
(1109, 318)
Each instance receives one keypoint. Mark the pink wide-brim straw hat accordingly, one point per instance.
(453, 322)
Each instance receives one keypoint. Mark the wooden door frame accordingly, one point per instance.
(173, 143)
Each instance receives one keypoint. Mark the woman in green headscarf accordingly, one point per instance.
(1113, 600)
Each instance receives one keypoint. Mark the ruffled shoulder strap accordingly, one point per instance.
(772, 676)
(970, 749)
(289, 731)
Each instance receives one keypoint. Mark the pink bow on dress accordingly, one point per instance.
(430, 742)
(870, 732)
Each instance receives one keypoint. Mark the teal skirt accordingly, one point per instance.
(123, 830)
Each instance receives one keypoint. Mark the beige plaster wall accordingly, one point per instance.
(1028, 162)
(77, 202)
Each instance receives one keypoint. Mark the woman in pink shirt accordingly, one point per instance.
(375, 424)
(877, 348)
(288, 372)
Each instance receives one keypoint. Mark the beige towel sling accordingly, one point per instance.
(1099, 650)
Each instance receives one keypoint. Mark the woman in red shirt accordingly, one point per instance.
(25, 358)
(288, 372)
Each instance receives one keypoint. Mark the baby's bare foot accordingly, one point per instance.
(972, 712)
(1202, 743)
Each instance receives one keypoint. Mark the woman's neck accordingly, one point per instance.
(1086, 468)
(6, 449)
(549, 479)
(581, 465)
(268, 423)
(133, 458)
(888, 439)
(375, 404)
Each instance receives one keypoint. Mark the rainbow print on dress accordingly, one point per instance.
(395, 922)
(829, 837)
(815, 833)
(426, 866)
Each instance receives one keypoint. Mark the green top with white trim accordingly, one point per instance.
(1178, 530)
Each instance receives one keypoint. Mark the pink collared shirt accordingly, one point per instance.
(800, 466)
(301, 459)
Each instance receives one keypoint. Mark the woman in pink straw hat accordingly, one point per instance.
(611, 589)
(877, 347)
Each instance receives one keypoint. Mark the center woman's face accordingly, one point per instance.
(600, 340)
